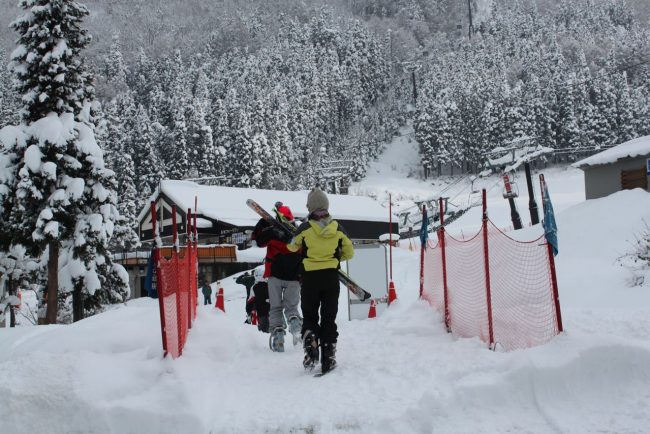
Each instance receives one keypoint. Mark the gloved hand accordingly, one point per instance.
(286, 238)
(281, 235)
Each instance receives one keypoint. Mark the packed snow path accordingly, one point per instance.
(397, 373)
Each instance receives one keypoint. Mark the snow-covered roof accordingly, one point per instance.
(634, 148)
(228, 204)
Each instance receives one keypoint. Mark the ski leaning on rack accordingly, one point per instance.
(290, 230)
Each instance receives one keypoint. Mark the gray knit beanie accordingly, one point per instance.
(317, 200)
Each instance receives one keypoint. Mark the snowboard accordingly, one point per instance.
(290, 230)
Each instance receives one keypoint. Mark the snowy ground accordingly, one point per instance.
(399, 373)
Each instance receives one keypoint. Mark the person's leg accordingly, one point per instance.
(262, 300)
(291, 298)
(276, 318)
(310, 302)
(329, 300)
(329, 308)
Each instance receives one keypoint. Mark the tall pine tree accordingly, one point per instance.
(62, 201)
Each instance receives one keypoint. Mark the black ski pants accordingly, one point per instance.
(207, 299)
(320, 290)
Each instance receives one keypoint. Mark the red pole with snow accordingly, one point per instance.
(486, 256)
(422, 248)
(189, 259)
(196, 255)
(178, 283)
(392, 295)
(156, 256)
(174, 229)
(441, 237)
(390, 233)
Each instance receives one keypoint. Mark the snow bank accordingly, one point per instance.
(592, 236)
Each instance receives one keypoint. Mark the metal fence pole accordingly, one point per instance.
(486, 255)
(156, 258)
(441, 237)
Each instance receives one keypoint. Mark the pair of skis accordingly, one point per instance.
(290, 230)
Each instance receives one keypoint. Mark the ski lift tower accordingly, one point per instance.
(334, 175)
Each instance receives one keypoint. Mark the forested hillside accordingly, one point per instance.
(574, 77)
(273, 94)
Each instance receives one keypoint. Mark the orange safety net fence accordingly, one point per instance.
(177, 293)
(508, 301)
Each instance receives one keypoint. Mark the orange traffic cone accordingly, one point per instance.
(392, 295)
(254, 320)
(372, 313)
(219, 304)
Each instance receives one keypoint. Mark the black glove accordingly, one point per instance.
(284, 236)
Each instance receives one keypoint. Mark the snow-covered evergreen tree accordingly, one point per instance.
(115, 71)
(62, 198)
(52, 78)
(200, 141)
(568, 134)
(149, 167)
(9, 103)
(246, 167)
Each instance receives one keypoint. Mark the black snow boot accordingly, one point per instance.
(263, 323)
(310, 345)
(328, 357)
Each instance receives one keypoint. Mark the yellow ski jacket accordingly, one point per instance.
(324, 244)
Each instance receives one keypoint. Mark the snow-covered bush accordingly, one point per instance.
(638, 259)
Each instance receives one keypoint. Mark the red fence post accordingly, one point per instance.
(486, 255)
(174, 229)
(441, 237)
(195, 288)
(551, 264)
(178, 283)
(556, 297)
(188, 259)
(390, 234)
(422, 249)
(156, 257)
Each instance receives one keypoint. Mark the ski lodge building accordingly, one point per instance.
(224, 224)
(622, 167)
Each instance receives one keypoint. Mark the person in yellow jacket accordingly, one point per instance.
(324, 244)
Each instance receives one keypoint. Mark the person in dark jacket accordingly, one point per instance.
(282, 269)
(248, 280)
(259, 300)
(207, 293)
(324, 244)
